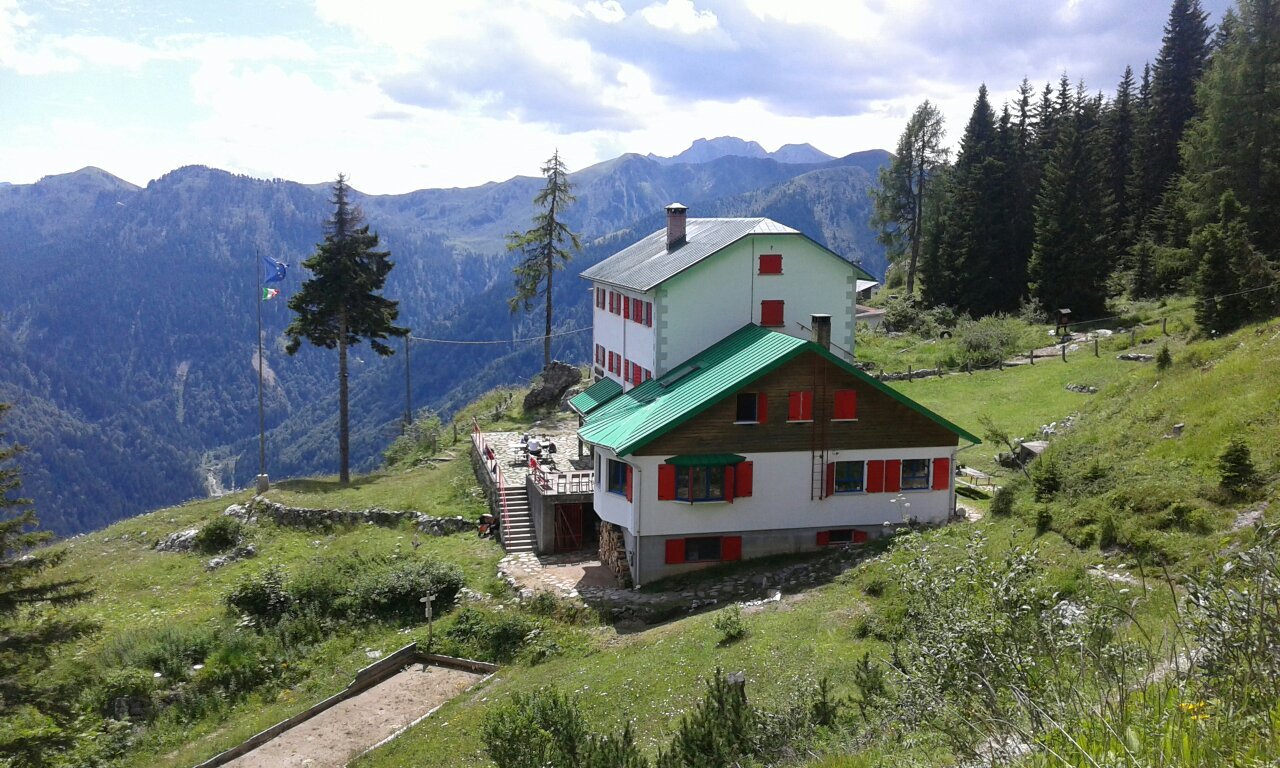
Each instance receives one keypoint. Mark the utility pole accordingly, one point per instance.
(408, 392)
(263, 481)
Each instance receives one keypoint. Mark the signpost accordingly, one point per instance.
(426, 601)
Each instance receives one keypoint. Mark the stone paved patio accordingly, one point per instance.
(558, 429)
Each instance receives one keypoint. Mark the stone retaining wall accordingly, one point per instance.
(259, 508)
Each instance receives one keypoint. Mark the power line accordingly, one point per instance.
(499, 341)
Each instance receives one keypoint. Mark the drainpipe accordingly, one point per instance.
(636, 506)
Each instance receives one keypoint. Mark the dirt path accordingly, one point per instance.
(337, 735)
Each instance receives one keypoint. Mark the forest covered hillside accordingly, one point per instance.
(128, 315)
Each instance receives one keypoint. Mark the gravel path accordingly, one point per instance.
(340, 733)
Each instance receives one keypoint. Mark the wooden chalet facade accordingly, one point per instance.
(762, 444)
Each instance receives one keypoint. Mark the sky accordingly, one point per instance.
(409, 95)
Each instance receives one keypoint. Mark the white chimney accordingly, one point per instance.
(675, 225)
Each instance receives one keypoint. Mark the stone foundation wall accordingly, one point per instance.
(613, 553)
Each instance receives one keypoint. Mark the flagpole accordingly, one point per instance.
(262, 482)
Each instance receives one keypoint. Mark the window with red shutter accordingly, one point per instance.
(800, 406)
(648, 313)
(666, 482)
(600, 298)
(893, 475)
(762, 408)
(729, 486)
(824, 538)
(941, 474)
(875, 476)
(846, 405)
(629, 473)
(626, 370)
(648, 374)
(626, 308)
(742, 472)
(860, 537)
(770, 263)
(731, 548)
(599, 355)
(675, 551)
(771, 313)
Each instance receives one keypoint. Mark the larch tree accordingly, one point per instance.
(37, 717)
(341, 304)
(904, 186)
(545, 247)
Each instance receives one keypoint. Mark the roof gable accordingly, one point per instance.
(647, 263)
(635, 418)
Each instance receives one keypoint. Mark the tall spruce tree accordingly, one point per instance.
(37, 717)
(1120, 128)
(1071, 260)
(545, 247)
(900, 199)
(974, 223)
(1234, 145)
(1184, 52)
(341, 305)
(1222, 248)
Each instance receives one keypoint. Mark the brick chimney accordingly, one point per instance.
(675, 225)
(821, 330)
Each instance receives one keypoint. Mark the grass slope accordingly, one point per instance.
(1116, 461)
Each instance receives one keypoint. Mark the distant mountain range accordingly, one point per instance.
(128, 314)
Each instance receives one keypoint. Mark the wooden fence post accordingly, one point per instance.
(1031, 356)
(1064, 353)
(1095, 346)
(1163, 325)
(1133, 336)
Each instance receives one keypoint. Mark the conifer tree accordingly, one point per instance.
(36, 717)
(1226, 259)
(1120, 130)
(1071, 261)
(905, 184)
(974, 220)
(1184, 52)
(545, 247)
(1234, 145)
(341, 304)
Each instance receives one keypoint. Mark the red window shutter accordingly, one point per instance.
(648, 374)
(806, 406)
(846, 404)
(742, 478)
(730, 548)
(770, 263)
(628, 482)
(831, 479)
(941, 474)
(637, 311)
(875, 476)
(648, 313)
(667, 486)
(611, 297)
(893, 475)
(859, 537)
(795, 406)
(675, 551)
(636, 377)
(824, 538)
(771, 312)
(762, 408)
(728, 483)
(626, 307)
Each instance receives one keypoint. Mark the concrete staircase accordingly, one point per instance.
(517, 529)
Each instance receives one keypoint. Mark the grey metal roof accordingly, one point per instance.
(647, 263)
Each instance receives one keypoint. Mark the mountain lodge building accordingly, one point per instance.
(727, 420)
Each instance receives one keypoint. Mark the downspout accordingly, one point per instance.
(635, 511)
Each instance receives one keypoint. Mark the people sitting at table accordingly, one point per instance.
(534, 447)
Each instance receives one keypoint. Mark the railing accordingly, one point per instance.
(495, 469)
(578, 481)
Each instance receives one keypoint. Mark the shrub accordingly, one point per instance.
(119, 687)
(1235, 468)
(1163, 359)
(261, 598)
(218, 535)
(1046, 479)
(987, 341)
(393, 592)
(729, 624)
(169, 650)
(236, 667)
(1002, 502)
(1044, 521)
(491, 635)
(719, 731)
(542, 729)
(1108, 534)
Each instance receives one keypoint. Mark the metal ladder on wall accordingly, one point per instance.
(818, 432)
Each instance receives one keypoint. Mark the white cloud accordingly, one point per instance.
(609, 11)
(680, 16)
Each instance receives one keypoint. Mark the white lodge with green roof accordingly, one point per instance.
(743, 440)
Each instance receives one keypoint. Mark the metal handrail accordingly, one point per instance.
(495, 468)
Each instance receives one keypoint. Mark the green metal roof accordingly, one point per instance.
(637, 417)
(595, 396)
